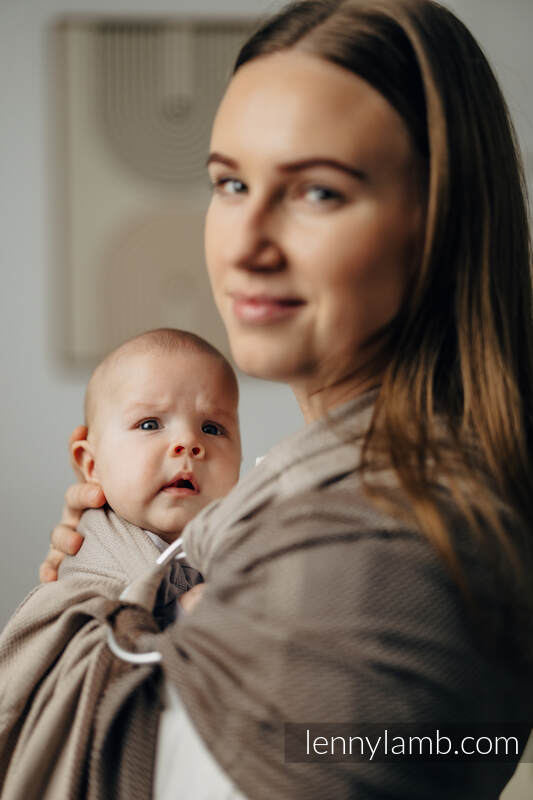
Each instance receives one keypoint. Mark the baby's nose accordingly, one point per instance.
(194, 450)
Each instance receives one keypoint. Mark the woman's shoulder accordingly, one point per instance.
(340, 531)
(367, 558)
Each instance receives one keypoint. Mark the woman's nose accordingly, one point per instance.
(194, 450)
(254, 243)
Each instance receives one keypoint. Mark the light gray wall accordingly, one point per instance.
(40, 402)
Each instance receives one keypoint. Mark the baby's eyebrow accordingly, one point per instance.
(154, 407)
(212, 411)
(144, 405)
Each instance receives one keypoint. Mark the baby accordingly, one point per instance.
(163, 441)
(163, 431)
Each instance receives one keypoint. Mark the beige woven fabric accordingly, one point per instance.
(318, 609)
(55, 665)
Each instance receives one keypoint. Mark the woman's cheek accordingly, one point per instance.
(210, 241)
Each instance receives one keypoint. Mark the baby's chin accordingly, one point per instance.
(168, 533)
(166, 522)
(167, 536)
(167, 526)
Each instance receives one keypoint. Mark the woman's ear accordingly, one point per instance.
(83, 457)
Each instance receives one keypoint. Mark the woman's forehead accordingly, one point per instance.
(292, 104)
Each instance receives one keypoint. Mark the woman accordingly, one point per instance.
(367, 243)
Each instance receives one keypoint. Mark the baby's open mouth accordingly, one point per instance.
(182, 484)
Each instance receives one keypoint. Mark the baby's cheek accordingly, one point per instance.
(226, 478)
(120, 489)
(121, 499)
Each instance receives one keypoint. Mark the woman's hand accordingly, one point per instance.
(65, 539)
(192, 597)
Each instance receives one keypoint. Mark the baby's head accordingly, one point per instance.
(163, 438)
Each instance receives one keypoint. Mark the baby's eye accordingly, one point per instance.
(149, 425)
(212, 429)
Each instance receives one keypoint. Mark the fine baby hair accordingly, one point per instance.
(168, 340)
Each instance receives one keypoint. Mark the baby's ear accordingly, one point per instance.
(82, 455)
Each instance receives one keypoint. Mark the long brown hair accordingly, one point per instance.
(453, 408)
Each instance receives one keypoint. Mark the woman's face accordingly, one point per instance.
(315, 220)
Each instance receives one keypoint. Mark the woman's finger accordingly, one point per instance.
(192, 597)
(53, 559)
(49, 567)
(47, 573)
(65, 540)
(78, 497)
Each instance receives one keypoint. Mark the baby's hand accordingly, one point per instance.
(65, 539)
(192, 597)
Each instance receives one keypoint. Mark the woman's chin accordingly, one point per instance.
(259, 363)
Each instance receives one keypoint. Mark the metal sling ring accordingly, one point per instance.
(154, 656)
(168, 554)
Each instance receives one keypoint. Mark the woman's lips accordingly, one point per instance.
(264, 308)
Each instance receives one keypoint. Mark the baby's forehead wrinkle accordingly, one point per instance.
(202, 399)
(218, 411)
(141, 398)
(217, 397)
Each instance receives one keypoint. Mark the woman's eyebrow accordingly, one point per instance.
(320, 161)
(218, 158)
(295, 166)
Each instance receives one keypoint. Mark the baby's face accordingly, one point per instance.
(165, 438)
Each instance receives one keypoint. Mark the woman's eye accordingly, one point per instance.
(321, 194)
(149, 425)
(229, 186)
(212, 429)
